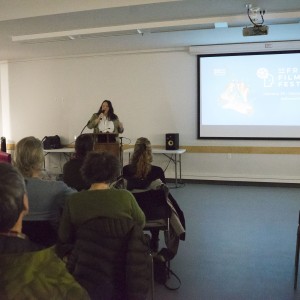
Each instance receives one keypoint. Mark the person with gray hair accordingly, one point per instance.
(46, 197)
(13, 199)
(26, 270)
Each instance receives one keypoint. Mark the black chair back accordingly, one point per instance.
(154, 204)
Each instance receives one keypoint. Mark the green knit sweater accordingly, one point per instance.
(86, 205)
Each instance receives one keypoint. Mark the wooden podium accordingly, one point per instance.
(106, 142)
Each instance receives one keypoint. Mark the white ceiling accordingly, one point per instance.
(75, 27)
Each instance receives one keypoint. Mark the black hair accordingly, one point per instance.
(111, 115)
(100, 167)
(83, 144)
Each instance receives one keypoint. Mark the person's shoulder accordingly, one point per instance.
(61, 186)
(121, 192)
(79, 196)
(156, 168)
(73, 162)
(128, 170)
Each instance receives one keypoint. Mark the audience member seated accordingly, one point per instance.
(26, 270)
(99, 170)
(71, 174)
(46, 197)
(140, 174)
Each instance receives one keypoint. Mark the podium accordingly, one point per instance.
(106, 142)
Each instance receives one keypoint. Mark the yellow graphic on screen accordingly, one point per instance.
(235, 97)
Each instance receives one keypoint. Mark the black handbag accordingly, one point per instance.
(51, 142)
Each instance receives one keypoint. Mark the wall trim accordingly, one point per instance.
(234, 149)
(218, 149)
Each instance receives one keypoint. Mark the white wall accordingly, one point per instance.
(152, 93)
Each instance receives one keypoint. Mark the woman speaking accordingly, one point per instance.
(105, 120)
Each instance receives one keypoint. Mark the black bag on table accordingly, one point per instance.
(51, 142)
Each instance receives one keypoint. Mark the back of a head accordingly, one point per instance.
(84, 144)
(142, 148)
(12, 190)
(29, 155)
(142, 157)
(100, 167)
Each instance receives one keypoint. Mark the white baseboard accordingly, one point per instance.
(240, 178)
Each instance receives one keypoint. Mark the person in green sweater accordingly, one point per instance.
(93, 257)
(99, 170)
(27, 271)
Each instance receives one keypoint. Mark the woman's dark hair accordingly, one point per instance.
(83, 145)
(100, 167)
(111, 115)
(12, 190)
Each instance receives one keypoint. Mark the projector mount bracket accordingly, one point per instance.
(253, 13)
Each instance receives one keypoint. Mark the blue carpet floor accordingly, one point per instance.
(240, 243)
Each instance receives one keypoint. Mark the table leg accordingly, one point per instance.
(175, 161)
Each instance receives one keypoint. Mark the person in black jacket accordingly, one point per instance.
(140, 174)
(71, 170)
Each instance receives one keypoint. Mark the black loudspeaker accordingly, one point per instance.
(172, 141)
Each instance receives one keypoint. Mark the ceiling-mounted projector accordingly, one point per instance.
(256, 16)
(255, 30)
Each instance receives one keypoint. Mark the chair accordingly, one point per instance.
(156, 209)
(111, 259)
(5, 157)
(158, 213)
(297, 254)
(40, 232)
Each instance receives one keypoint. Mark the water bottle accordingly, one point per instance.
(3, 144)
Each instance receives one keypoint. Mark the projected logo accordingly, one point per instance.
(268, 79)
(235, 97)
